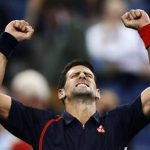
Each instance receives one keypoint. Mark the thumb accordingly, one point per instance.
(126, 19)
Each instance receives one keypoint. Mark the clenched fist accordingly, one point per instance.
(135, 19)
(20, 29)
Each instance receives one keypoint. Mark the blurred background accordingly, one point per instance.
(71, 29)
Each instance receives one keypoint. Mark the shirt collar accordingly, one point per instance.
(96, 116)
(68, 118)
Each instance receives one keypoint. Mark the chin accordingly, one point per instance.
(83, 93)
(82, 90)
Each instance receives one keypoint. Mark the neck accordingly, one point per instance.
(80, 109)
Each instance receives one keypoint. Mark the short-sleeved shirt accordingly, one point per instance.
(47, 131)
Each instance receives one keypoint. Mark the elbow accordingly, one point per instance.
(5, 104)
(146, 109)
(145, 98)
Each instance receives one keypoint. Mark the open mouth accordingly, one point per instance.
(82, 84)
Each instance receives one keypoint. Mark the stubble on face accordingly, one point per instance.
(82, 92)
(80, 83)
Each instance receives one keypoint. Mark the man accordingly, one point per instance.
(79, 127)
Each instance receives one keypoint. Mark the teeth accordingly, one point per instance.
(81, 83)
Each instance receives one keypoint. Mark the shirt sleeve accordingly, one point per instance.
(131, 118)
(25, 122)
(136, 117)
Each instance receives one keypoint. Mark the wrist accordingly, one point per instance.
(7, 44)
(144, 32)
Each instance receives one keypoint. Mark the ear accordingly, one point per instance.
(97, 95)
(61, 94)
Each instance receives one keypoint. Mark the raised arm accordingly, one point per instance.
(15, 32)
(140, 21)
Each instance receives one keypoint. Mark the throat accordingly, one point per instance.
(80, 110)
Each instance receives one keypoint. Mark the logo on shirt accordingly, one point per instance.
(101, 129)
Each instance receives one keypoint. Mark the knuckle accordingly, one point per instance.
(140, 10)
(17, 21)
(22, 20)
(26, 22)
(132, 10)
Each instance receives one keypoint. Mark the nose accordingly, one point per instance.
(82, 75)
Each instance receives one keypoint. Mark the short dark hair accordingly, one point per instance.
(73, 63)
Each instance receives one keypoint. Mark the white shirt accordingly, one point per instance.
(122, 46)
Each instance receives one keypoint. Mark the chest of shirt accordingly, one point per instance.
(74, 136)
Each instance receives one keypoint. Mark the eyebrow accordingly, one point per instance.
(85, 72)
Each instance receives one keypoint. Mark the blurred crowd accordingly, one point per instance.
(70, 29)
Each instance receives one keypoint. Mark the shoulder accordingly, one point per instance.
(132, 106)
(19, 109)
(129, 112)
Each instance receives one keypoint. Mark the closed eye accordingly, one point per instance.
(75, 75)
(89, 75)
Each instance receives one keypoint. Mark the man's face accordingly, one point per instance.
(80, 82)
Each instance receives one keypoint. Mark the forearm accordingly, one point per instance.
(15, 31)
(3, 62)
(139, 20)
(144, 33)
(145, 95)
(7, 43)
(5, 101)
